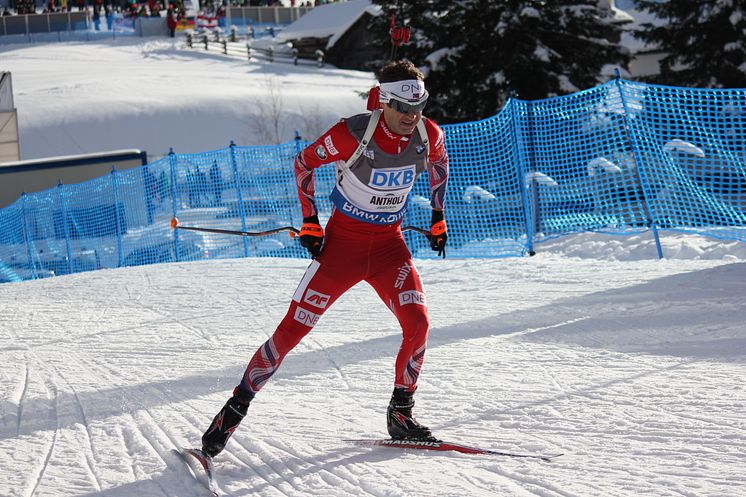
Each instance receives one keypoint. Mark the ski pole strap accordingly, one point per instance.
(438, 228)
(312, 229)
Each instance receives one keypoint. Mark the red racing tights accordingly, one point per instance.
(353, 251)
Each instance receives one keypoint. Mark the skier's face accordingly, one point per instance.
(400, 123)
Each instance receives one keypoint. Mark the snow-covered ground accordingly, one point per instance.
(630, 366)
(633, 369)
(154, 93)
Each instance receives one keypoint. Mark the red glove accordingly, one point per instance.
(438, 233)
(312, 235)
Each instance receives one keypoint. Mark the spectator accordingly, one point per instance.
(96, 18)
(171, 21)
(202, 188)
(6, 12)
(217, 185)
(25, 7)
(109, 18)
(192, 188)
(132, 10)
(164, 185)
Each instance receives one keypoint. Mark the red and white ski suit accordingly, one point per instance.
(355, 250)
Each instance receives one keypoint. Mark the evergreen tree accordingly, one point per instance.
(703, 40)
(476, 52)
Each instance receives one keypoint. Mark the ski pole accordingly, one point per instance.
(293, 231)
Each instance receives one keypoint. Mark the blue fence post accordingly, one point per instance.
(117, 218)
(239, 194)
(27, 236)
(533, 187)
(68, 246)
(172, 171)
(639, 166)
(298, 150)
(520, 160)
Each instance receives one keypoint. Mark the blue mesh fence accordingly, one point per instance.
(620, 158)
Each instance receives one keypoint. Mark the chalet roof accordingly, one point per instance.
(330, 20)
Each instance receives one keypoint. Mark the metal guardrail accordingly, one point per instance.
(27, 24)
(232, 46)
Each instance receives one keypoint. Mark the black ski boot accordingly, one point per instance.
(399, 420)
(225, 422)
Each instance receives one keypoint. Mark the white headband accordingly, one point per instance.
(411, 90)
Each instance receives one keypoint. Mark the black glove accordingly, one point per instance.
(312, 235)
(438, 233)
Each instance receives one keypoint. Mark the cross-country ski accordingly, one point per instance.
(201, 468)
(444, 446)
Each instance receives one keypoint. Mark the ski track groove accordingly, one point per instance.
(477, 482)
(157, 450)
(661, 408)
(45, 464)
(351, 479)
(192, 420)
(99, 334)
(22, 397)
(52, 389)
(270, 461)
(43, 467)
(130, 453)
(90, 456)
(172, 318)
(244, 460)
(179, 320)
(334, 364)
(160, 453)
(551, 376)
(523, 482)
(375, 469)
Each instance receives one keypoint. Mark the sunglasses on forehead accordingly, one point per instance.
(405, 107)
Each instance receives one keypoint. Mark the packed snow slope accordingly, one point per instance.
(155, 93)
(632, 368)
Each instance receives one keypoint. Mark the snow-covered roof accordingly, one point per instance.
(618, 12)
(330, 20)
(638, 17)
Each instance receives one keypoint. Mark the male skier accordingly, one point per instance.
(378, 156)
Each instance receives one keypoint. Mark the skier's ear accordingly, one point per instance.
(373, 96)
